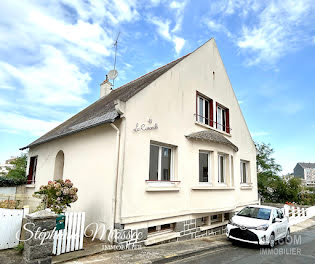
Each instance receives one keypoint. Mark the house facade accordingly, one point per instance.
(305, 171)
(168, 154)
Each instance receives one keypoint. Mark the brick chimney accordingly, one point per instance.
(106, 87)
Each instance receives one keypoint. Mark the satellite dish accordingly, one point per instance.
(112, 75)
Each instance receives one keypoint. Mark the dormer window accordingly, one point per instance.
(223, 118)
(204, 109)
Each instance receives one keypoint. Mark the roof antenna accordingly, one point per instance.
(112, 74)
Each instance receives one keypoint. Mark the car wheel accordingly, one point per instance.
(288, 237)
(272, 240)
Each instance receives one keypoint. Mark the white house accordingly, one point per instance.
(168, 153)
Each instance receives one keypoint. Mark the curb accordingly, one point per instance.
(189, 254)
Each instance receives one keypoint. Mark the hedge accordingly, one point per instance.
(8, 182)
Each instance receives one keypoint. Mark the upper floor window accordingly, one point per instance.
(32, 170)
(204, 109)
(221, 168)
(223, 118)
(204, 166)
(160, 163)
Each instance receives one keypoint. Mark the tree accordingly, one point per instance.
(19, 169)
(267, 171)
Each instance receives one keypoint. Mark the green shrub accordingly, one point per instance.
(9, 182)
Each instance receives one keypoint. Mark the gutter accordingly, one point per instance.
(114, 199)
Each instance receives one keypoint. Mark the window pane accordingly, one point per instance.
(200, 110)
(244, 171)
(221, 164)
(206, 112)
(223, 120)
(203, 167)
(219, 119)
(154, 161)
(166, 164)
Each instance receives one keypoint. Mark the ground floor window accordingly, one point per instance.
(160, 228)
(221, 168)
(204, 220)
(216, 218)
(204, 166)
(244, 172)
(32, 170)
(160, 163)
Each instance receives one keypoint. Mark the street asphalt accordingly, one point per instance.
(300, 250)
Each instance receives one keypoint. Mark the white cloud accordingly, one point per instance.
(54, 81)
(52, 42)
(47, 49)
(163, 29)
(179, 44)
(264, 31)
(217, 27)
(278, 30)
(15, 123)
(179, 8)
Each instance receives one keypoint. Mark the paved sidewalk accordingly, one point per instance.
(306, 224)
(159, 253)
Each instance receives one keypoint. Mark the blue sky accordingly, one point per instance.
(54, 55)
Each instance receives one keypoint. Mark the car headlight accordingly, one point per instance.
(262, 227)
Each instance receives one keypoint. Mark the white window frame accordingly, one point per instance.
(209, 167)
(220, 125)
(160, 161)
(247, 172)
(202, 118)
(224, 168)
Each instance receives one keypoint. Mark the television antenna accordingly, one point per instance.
(112, 74)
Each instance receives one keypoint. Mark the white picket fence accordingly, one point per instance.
(10, 227)
(70, 238)
(297, 214)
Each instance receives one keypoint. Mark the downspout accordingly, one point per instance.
(114, 200)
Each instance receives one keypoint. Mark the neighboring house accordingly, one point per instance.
(305, 171)
(168, 153)
(4, 168)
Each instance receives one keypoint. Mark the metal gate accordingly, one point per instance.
(10, 227)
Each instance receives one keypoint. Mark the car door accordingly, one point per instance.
(276, 225)
(283, 224)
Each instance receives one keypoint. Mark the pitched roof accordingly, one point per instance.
(103, 110)
(212, 136)
(307, 165)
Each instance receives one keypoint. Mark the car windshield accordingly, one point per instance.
(254, 212)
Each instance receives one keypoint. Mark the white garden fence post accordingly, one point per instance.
(298, 212)
(70, 238)
(286, 209)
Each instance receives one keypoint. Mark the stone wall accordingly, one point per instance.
(38, 249)
(23, 194)
(189, 229)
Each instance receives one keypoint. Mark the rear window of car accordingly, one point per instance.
(254, 212)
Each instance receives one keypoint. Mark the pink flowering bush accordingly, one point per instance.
(57, 195)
